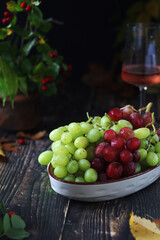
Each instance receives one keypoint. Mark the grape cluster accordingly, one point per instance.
(121, 143)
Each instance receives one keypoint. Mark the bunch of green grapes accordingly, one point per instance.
(73, 148)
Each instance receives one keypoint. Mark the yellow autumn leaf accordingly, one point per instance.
(143, 229)
(1, 151)
(41, 41)
(9, 31)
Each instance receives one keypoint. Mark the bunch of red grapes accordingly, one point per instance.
(117, 155)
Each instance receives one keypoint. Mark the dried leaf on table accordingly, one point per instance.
(10, 147)
(143, 229)
(1, 151)
(35, 136)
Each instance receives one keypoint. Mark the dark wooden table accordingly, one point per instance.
(25, 189)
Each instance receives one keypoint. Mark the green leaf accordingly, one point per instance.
(53, 70)
(2, 208)
(35, 17)
(13, 233)
(1, 226)
(43, 48)
(17, 221)
(11, 6)
(22, 32)
(36, 3)
(23, 85)
(28, 46)
(6, 223)
(3, 33)
(3, 92)
(45, 27)
(39, 69)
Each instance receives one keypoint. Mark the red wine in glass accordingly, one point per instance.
(141, 64)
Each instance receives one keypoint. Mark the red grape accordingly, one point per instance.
(147, 118)
(126, 156)
(136, 120)
(133, 144)
(109, 135)
(136, 156)
(127, 110)
(126, 133)
(118, 143)
(110, 154)
(102, 177)
(115, 114)
(99, 164)
(99, 149)
(129, 169)
(114, 170)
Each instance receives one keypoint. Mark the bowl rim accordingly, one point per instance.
(98, 182)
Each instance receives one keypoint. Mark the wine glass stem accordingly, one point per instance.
(142, 91)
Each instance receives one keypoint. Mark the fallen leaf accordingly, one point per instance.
(143, 229)
(1, 151)
(10, 147)
(32, 137)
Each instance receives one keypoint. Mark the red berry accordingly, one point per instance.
(11, 213)
(136, 120)
(133, 144)
(53, 54)
(114, 170)
(99, 149)
(99, 164)
(126, 156)
(44, 88)
(118, 143)
(21, 141)
(49, 79)
(126, 133)
(23, 5)
(109, 135)
(7, 14)
(115, 114)
(28, 8)
(69, 67)
(110, 154)
(129, 169)
(43, 81)
(9, 19)
(4, 21)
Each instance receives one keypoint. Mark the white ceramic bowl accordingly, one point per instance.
(92, 192)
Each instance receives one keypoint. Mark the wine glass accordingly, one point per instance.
(141, 63)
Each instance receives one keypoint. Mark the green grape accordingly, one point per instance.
(144, 144)
(60, 160)
(115, 128)
(80, 153)
(105, 122)
(66, 137)
(79, 179)
(74, 136)
(151, 149)
(96, 121)
(55, 134)
(79, 173)
(138, 167)
(85, 127)
(84, 164)
(152, 159)
(72, 166)
(90, 152)
(61, 150)
(56, 144)
(71, 147)
(60, 172)
(154, 139)
(70, 178)
(158, 155)
(74, 127)
(93, 135)
(124, 123)
(102, 131)
(157, 147)
(143, 153)
(90, 175)
(81, 142)
(142, 133)
(45, 157)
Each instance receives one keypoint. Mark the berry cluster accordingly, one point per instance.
(26, 7)
(53, 54)
(8, 16)
(45, 81)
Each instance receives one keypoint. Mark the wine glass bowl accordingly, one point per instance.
(141, 63)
